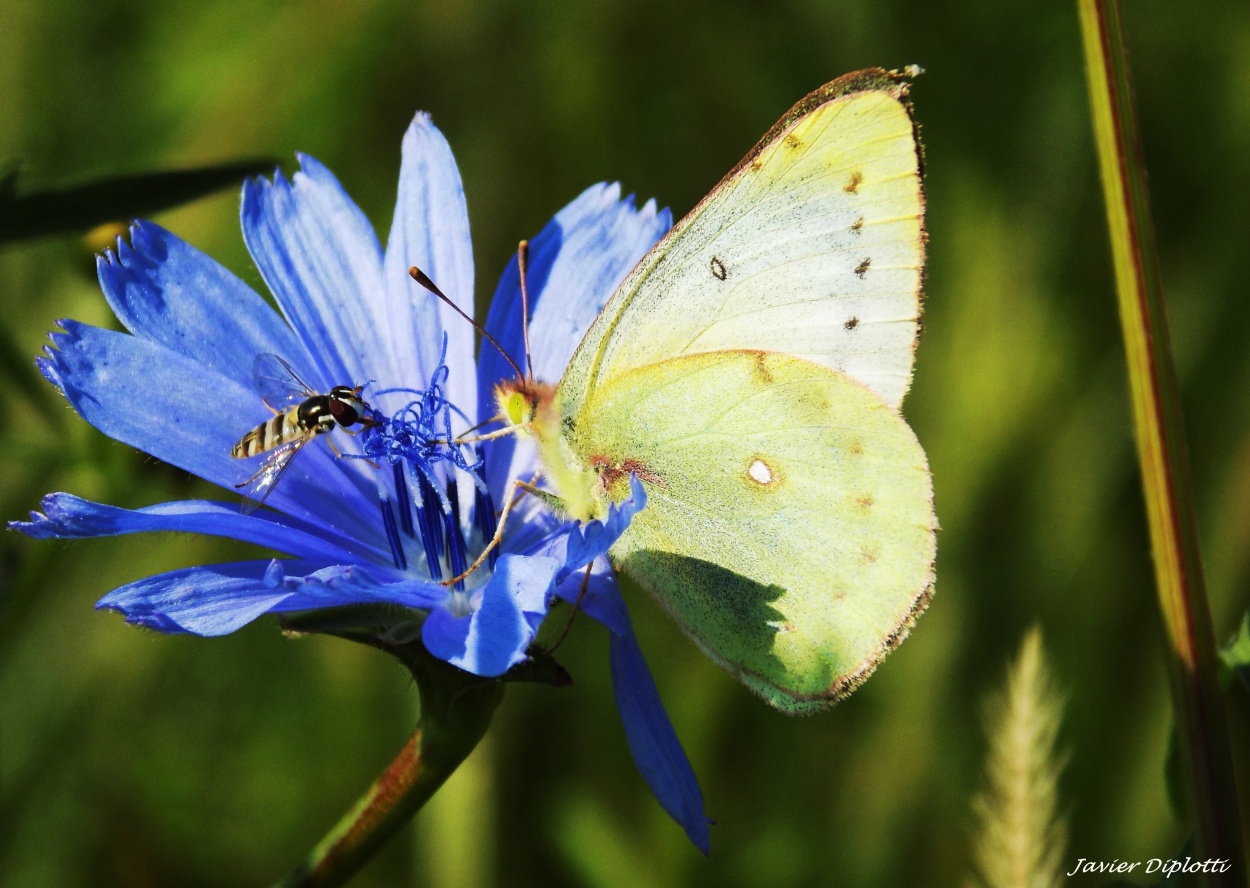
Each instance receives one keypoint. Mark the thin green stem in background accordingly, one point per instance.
(1202, 731)
(119, 198)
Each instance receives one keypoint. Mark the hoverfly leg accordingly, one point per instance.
(264, 468)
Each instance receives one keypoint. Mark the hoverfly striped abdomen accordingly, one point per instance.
(273, 432)
(283, 434)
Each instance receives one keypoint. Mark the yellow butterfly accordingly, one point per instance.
(749, 371)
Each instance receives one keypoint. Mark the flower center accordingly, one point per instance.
(416, 441)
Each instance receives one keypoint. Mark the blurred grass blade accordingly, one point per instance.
(22, 379)
(8, 180)
(1201, 723)
(1022, 838)
(115, 198)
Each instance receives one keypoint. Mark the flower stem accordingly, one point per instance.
(1201, 725)
(456, 710)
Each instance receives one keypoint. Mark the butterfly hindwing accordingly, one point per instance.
(789, 524)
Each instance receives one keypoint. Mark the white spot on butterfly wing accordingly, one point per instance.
(761, 473)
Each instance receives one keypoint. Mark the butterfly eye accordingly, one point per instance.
(515, 406)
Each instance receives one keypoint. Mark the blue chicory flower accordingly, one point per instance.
(391, 524)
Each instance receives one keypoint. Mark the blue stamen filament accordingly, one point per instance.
(403, 500)
(414, 440)
(392, 535)
(431, 537)
(455, 538)
(484, 511)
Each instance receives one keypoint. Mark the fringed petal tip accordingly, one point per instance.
(66, 516)
(49, 524)
(208, 601)
(154, 621)
(316, 171)
(51, 364)
(630, 213)
(256, 190)
(46, 365)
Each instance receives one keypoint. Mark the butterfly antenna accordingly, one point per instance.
(522, 261)
(421, 278)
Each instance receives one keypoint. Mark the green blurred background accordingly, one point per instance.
(131, 758)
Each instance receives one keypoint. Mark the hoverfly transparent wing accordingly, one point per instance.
(278, 383)
(266, 478)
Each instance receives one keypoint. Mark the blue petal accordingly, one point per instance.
(575, 543)
(575, 264)
(652, 741)
(167, 405)
(601, 598)
(66, 516)
(221, 598)
(430, 230)
(587, 541)
(165, 290)
(495, 636)
(322, 261)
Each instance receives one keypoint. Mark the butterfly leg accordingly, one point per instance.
(489, 436)
(577, 605)
(264, 468)
(518, 489)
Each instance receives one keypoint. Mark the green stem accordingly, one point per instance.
(1201, 726)
(456, 710)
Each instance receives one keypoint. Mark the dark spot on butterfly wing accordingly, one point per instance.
(862, 268)
(850, 324)
(792, 141)
(852, 185)
(718, 269)
(613, 474)
(858, 225)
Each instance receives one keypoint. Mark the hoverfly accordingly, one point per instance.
(300, 414)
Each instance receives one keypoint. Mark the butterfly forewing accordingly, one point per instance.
(812, 246)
